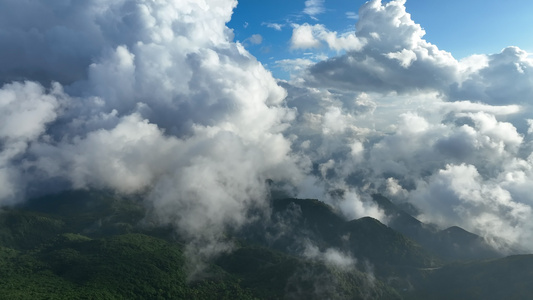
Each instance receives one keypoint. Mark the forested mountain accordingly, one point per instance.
(96, 245)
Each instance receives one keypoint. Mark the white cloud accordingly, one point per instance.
(275, 26)
(352, 15)
(530, 123)
(353, 207)
(157, 93)
(255, 39)
(405, 57)
(307, 36)
(459, 194)
(502, 78)
(453, 115)
(390, 55)
(393, 56)
(303, 37)
(25, 111)
(314, 7)
(453, 137)
(157, 101)
(468, 106)
(330, 256)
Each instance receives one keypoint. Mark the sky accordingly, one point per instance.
(462, 28)
(204, 107)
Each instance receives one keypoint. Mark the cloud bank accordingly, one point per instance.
(158, 101)
(399, 116)
(156, 98)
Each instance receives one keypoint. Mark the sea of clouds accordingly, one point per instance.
(156, 98)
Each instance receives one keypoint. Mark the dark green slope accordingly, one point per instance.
(294, 220)
(505, 278)
(275, 275)
(370, 239)
(27, 230)
(130, 266)
(90, 245)
(95, 245)
(94, 213)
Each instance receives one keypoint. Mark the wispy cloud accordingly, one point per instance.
(352, 15)
(275, 26)
(256, 39)
(314, 7)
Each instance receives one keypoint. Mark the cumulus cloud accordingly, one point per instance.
(459, 194)
(25, 111)
(154, 98)
(303, 37)
(501, 78)
(387, 52)
(157, 101)
(399, 116)
(308, 36)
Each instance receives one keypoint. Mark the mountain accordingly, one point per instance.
(370, 239)
(128, 266)
(96, 245)
(274, 275)
(450, 244)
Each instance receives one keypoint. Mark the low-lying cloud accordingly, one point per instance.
(156, 98)
(160, 102)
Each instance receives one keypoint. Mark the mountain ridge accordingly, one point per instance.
(91, 244)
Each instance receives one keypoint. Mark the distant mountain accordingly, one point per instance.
(370, 239)
(295, 221)
(95, 245)
(451, 244)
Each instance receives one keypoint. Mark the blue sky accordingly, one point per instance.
(460, 27)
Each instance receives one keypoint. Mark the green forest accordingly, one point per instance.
(96, 245)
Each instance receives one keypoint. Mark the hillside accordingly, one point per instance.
(96, 245)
